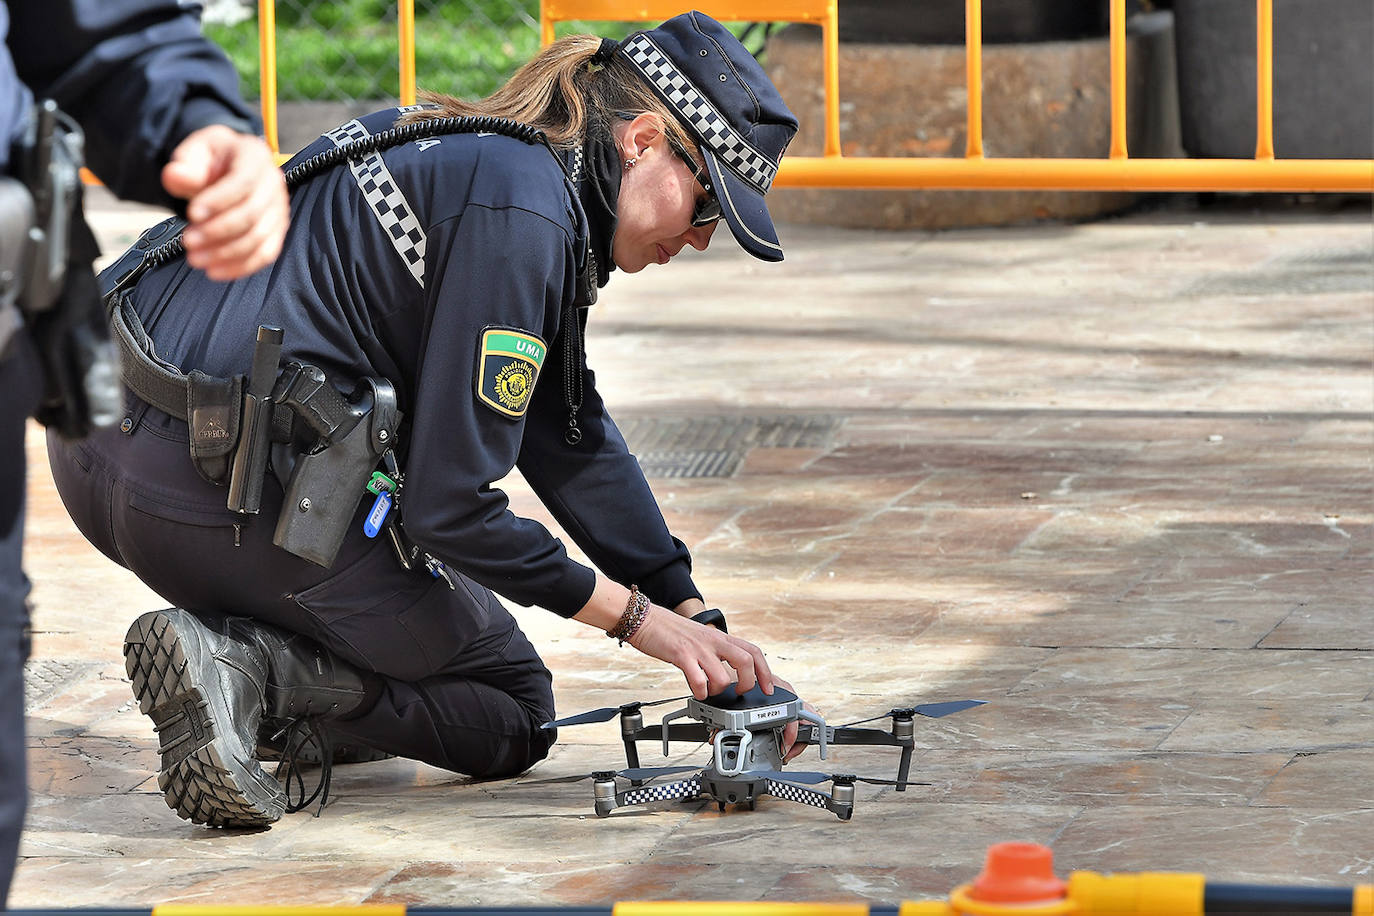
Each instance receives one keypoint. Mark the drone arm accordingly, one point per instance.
(686, 788)
(847, 735)
(683, 731)
(842, 808)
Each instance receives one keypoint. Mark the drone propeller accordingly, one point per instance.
(812, 778)
(929, 710)
(638, 774)
(607, 713)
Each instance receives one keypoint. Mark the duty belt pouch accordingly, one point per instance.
(213, 411)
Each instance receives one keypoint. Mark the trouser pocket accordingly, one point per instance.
(397, 622)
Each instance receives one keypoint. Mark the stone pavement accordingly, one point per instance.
(1115, 479)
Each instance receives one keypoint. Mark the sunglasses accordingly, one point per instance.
(707, 209)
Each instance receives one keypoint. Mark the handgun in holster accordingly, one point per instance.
(327, 481)
(46, 277)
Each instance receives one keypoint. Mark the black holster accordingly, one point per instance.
(53, 290)
(325, 484)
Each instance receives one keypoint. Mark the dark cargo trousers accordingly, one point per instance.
(19, 385)
(460, 686)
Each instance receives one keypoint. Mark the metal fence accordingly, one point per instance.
(361, 50)
(346, 50)
(351, 49)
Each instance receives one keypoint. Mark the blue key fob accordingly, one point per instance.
(377, 517)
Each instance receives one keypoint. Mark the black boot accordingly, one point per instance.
(202, 681)
(272, 746)
(207, 681)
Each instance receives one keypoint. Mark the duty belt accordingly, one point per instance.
(336, 441)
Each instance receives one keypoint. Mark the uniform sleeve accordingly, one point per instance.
(598, 493)
(137, 75)
(490, 269)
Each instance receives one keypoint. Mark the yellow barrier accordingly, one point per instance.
(824, 13)
(1117, 172)
(267, 49)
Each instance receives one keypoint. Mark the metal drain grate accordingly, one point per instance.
(46, 678)
(715, 446)
(690, 463)
(1318, 270)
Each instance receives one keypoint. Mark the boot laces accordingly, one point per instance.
(300, 734)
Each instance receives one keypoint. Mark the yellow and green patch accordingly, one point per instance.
(507, 369)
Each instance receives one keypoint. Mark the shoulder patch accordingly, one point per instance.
(508, 365)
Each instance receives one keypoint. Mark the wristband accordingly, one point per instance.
(712, 618)
(636, 610)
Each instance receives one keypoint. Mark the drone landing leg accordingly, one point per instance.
(630, 724)
(631, 755)
(904, 768)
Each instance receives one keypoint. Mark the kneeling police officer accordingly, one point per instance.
(333, 540)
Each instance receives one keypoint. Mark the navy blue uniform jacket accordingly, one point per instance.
(395, 266)
(136, 74)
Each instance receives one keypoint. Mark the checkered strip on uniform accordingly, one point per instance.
(714, 130)
(789, 792)
(388, 204)
(577, 165)
(687, 788)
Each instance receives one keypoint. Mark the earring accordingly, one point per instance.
(630, 162)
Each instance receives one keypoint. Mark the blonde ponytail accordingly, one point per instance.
(563, 93)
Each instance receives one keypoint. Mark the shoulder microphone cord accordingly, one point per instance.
(395, 136)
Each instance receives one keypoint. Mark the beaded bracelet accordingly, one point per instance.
(636, 609)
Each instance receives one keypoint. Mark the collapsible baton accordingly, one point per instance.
(255, 436)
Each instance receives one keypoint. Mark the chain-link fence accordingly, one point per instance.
(347, 50)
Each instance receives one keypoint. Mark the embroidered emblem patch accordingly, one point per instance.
(508, 366)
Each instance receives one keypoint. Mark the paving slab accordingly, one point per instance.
(1115, 479)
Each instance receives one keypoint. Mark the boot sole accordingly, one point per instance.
(206, 776)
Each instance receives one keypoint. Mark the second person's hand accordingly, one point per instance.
(237, 207)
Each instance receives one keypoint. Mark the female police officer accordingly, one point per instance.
(454, 266)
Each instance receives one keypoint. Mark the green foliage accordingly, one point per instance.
(349, 49)
(342, 50)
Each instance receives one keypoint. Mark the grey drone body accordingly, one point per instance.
(745, 731)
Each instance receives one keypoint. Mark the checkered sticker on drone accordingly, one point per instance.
(507, 368)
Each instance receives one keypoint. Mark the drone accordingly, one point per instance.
(745, 732)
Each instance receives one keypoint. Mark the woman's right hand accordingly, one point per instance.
(702, 653)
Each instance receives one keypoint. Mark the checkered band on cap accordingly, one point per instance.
(388, 204)
(698, 112)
